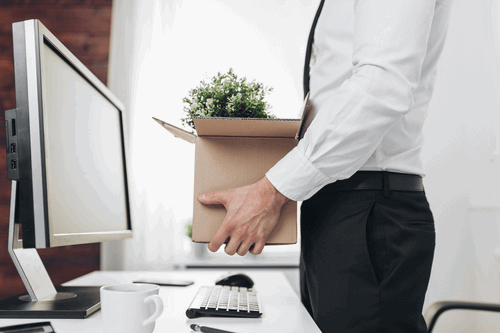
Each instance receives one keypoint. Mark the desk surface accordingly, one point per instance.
(281, 307)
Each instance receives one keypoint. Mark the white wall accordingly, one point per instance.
(463, 169)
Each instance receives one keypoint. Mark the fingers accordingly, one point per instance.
(220, 237)
(213, 198)
(232, 247)
(226, 235)
(239, 237)
(247, 247)
(241, 248)
(235, 244)
(257, 248)
(242, 236)
(242, 243)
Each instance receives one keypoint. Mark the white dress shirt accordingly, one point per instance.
(372, 76)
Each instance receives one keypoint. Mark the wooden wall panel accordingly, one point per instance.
(83, 26)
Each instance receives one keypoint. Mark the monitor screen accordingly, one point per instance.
(70, 147)
(84, 170)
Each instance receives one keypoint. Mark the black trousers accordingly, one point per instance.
(366, 259)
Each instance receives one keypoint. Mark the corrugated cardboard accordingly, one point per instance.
(234, 152)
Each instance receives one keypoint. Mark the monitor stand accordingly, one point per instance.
(43, 299)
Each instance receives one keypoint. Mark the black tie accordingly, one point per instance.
(309, 49)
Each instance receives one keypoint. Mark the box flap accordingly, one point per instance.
(247, 127)
(177, 132)
(256, 127)
(307, 117)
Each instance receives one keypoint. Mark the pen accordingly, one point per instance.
(206, 329)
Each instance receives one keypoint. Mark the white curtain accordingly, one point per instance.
(139, 73)
(160, 49)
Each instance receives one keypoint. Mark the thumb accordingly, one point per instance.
(212, 198)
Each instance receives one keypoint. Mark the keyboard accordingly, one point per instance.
(225, 301)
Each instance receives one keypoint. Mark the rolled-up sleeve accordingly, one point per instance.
(390, 40)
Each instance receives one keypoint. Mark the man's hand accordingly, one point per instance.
(252, 213)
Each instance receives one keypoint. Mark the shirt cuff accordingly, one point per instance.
(296, 177)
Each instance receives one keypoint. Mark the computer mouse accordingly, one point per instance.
(237, 280)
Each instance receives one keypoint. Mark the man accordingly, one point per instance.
(367, 231)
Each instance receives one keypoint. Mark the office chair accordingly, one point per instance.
(436, 309)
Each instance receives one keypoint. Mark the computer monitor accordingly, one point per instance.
(66, 159)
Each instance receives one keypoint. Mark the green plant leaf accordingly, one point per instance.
(226, 96)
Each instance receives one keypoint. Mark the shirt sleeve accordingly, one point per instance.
(389, 47)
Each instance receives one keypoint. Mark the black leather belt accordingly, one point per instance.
(377, 180)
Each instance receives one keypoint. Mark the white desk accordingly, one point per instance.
(281, 307)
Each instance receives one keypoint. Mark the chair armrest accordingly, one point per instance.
(436, 309)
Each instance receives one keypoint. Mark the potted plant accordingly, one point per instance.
(226, 95)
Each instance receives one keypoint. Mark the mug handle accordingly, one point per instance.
(158, 308)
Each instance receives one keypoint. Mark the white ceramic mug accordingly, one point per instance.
(130, 307)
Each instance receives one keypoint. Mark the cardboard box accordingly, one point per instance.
(234, 152)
